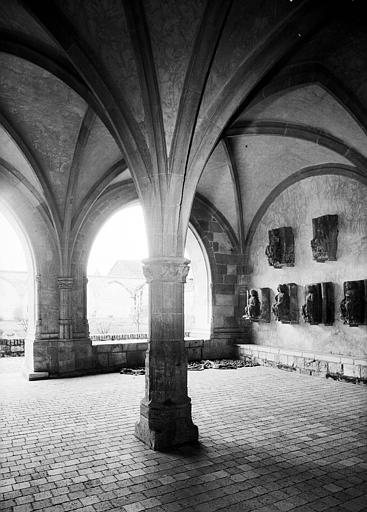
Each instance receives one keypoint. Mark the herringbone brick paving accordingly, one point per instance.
(270, 441)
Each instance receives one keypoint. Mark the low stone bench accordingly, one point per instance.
(313, 363)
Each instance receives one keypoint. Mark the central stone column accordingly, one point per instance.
(165, 411)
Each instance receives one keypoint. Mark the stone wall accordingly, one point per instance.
(113, 356)
(223, 252)
(295, 207)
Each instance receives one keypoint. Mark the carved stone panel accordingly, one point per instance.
(328, 303)
(319, 304)
(353, 305)
(325, 238)
(280, 251)
(312, 307)
(281, 307)
(265, 305)
(285, 308)
(252, 310)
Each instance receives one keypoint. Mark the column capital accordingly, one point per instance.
(65, 283)
(166, 269)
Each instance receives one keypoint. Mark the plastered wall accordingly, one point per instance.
(296, 206)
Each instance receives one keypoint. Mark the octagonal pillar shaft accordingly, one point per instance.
(165, 412)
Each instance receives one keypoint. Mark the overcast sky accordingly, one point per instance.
(12, 253)
(122, 237)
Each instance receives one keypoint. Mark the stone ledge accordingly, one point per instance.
(304, 361)
(134, 353)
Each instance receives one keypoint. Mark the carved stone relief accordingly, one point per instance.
(353, 305)
(280, 251)
(253, 309)
(312, 308)
(285, 308)
(325, 238)
(280, 308)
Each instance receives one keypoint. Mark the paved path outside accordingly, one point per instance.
(270, 441)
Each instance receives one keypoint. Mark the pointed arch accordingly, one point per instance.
(302, 174)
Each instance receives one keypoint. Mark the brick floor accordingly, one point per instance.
(270, 441)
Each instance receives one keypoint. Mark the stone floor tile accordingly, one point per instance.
(134, 507)
(26, 507)
(264, 445)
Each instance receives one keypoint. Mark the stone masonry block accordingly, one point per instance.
(221, 269)
(283, 359)
(227, 259)
(347, 360)
(224, 289)
(102, 360)
(311, 364)
(101, 349)
(117, 358)
(41, 363)
(334, 368)
(230, 279)
(328, 358)
(232, 270)
(194, 354)
(224, 300)
(130, 347)
(204, 225)
(194, 343)
(350, 370)
(323, 367)
(67, 365)
(298, 361)
(230, 321)
(217, 349)
(135, 358)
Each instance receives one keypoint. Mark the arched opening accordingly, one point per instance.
(17, 300)
(117, 296)
(198, 288)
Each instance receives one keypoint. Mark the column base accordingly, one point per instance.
(58, 358)
(162, 427)
(36, 375)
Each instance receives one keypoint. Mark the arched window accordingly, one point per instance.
(117, 290)
(17, 302)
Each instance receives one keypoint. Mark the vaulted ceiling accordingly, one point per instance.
(228, 98)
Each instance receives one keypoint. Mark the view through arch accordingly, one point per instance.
(16, 280)
(117, 294)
